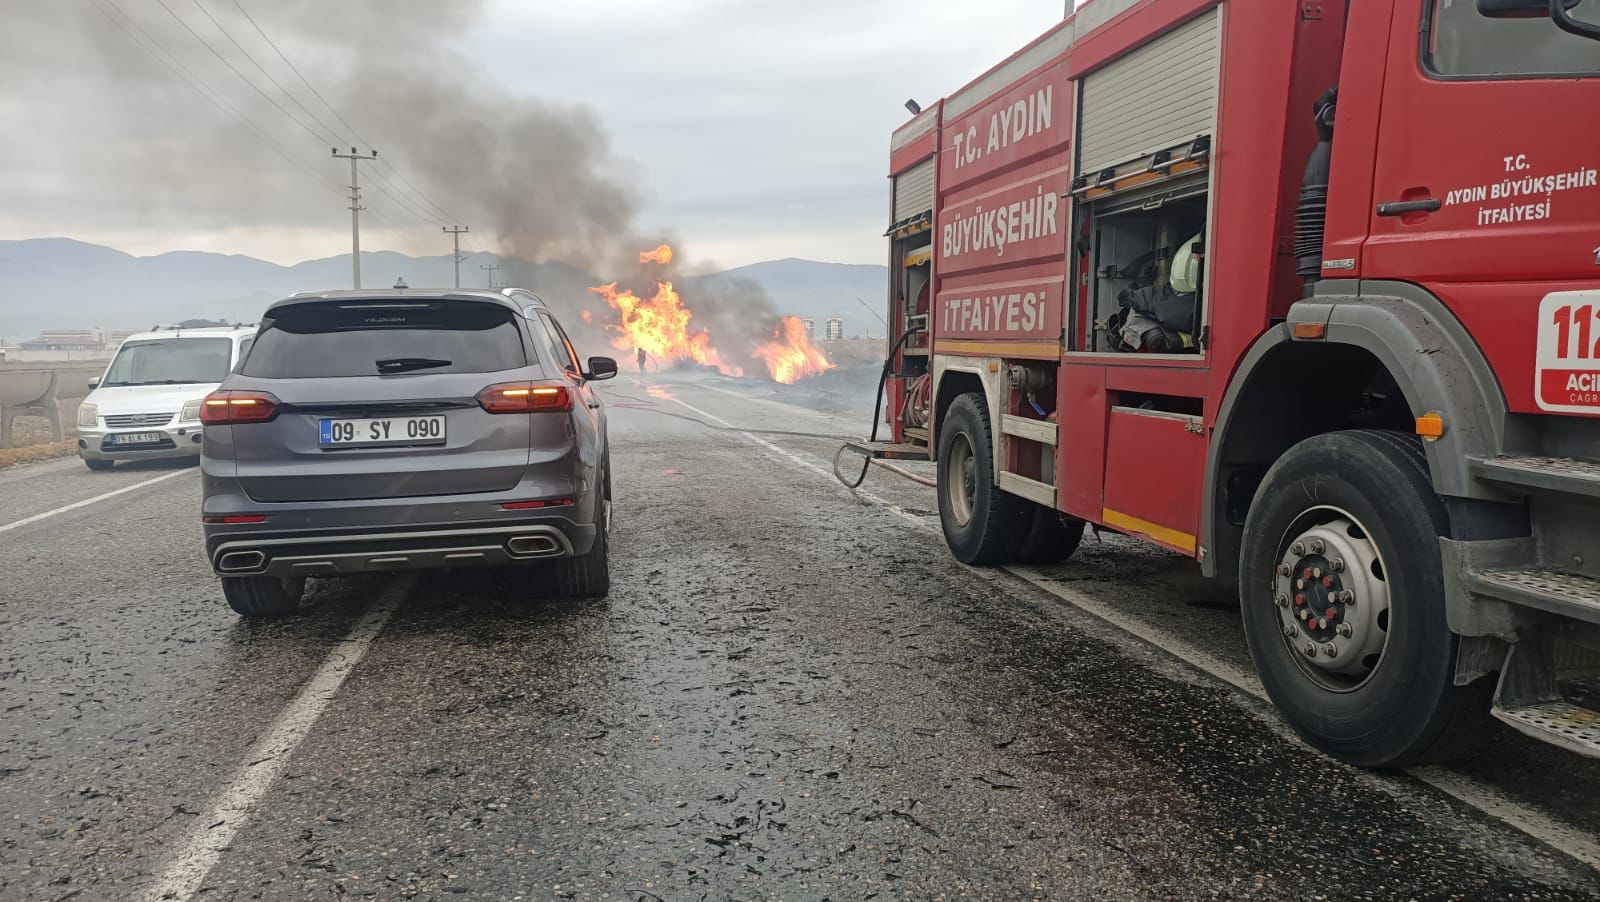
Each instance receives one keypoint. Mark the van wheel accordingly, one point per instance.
(99, 465)
(1342, 593)
(982, 525)
(263, 596)
(1052, 537)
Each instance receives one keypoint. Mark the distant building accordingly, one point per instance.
(65, 340)
(811, 327)
(118, 336)
(835, 329)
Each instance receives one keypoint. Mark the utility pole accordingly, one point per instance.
(455, 232)
(491, 267)
(355, 210)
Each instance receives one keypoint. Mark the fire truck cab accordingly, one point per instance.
(1307, 291)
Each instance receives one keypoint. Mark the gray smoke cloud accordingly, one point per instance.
(537, 179)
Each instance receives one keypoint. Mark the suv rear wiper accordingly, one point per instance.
(403, 364)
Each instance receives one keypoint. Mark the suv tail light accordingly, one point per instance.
(231, 408)
(525, 397)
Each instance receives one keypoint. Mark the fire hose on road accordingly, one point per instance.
(645, 404)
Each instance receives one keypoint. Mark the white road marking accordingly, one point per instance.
(16, 524)
(916, 519)
(215, 829)
(1476, 794)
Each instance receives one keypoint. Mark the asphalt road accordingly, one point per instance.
(791, 693)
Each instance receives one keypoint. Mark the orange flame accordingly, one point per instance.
(791, 355)
(659, 326)
(661, 255)
(588, 316)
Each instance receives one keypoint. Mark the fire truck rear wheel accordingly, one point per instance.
(982, 525)
(1052, 537)
(1342, 594)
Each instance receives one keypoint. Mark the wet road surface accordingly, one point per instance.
(791, 693)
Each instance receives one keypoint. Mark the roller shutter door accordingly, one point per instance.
(1157, 97)
(913, 191)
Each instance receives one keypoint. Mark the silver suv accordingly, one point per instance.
(405, 429)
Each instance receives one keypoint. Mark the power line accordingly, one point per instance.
(402, 204)
(184, 74)
(259, 68)
(418, 191)
(171, 61)
(242, 77)
(296, 71)
(332, 109)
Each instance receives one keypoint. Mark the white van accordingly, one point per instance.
(147, 405)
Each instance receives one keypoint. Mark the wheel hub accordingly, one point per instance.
(960, 480)
(1332, 599)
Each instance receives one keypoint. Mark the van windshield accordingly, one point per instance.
(171, 361)
(1465, 43)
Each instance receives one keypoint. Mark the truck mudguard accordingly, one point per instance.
(1427, 351)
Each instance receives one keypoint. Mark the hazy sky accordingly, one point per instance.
(752, 129)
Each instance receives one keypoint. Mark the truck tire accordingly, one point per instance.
(589, 575)
(1052, 537)
(1342, 594)
(982, 525)
(263, 596)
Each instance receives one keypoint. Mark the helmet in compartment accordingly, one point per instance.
(1186, 267)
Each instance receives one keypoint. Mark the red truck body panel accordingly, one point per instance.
(1005, 269)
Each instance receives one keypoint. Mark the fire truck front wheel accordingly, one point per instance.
(1342, 591)
(982, 525)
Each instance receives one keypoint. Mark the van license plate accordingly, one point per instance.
(137, 438)
(381, 431)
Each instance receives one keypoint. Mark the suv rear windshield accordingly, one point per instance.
(171, 361)
(327, 338)
(1463, 43)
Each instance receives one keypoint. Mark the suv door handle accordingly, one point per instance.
(1402, 207)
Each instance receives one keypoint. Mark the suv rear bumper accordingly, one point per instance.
(335, 553)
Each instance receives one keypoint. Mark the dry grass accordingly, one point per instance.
(11, 457)
(32, 440)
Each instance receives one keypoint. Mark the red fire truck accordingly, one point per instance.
(1308, 291)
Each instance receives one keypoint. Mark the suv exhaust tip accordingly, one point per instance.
(533, 546)
(241, 561)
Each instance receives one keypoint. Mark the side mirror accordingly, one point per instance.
(601, 368)
(94, 382)
(1517, 9)
(1557, 10)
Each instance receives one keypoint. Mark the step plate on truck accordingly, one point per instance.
(890, 450)
(1561, 723)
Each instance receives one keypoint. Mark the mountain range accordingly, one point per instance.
(61, 283)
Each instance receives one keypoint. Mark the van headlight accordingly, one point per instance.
(88, 415)
(191, 411)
